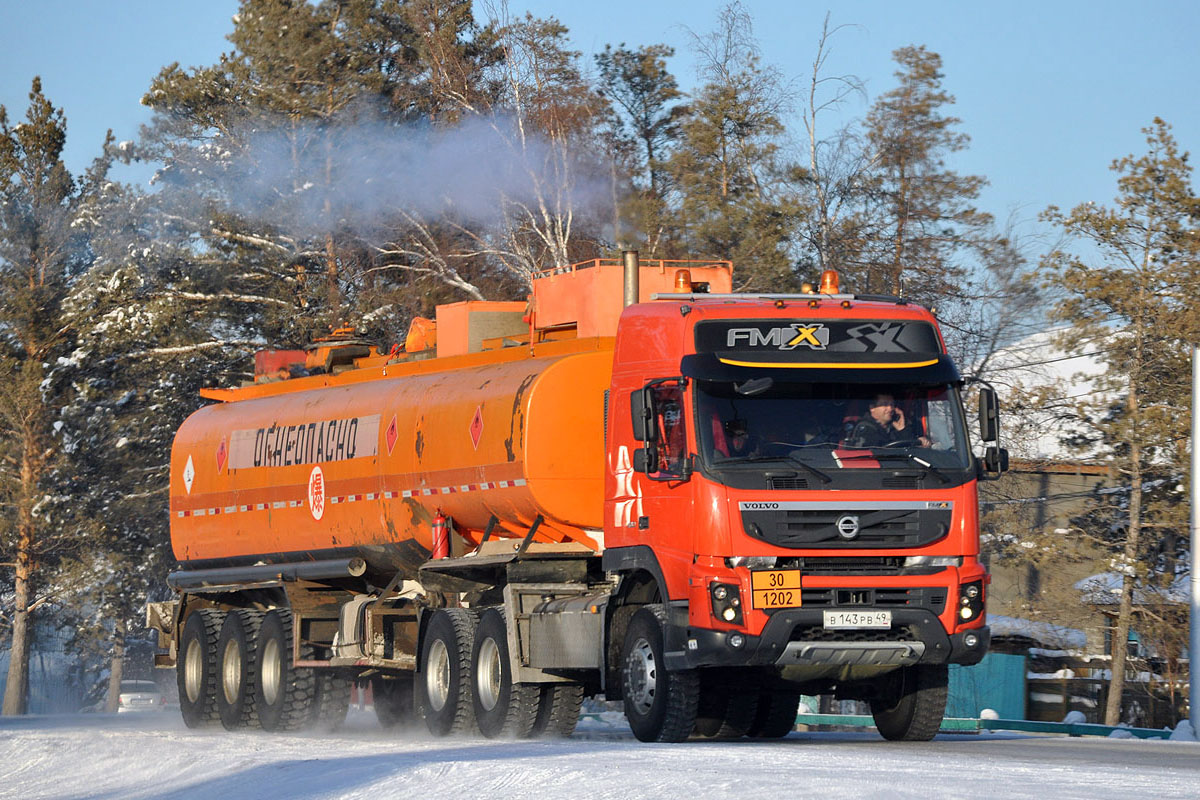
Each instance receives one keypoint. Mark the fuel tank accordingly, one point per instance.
(358, 464)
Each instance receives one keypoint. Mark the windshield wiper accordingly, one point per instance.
(790, 460)
(916, 460)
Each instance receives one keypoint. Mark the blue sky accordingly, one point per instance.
(1050, 92)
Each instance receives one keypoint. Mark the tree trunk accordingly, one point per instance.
(117, 671)
(1120, 637)
(16, 687)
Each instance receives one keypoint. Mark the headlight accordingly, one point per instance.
(933, 561)
(753, 562)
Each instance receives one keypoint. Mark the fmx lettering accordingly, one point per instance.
(305, 443)
(814, 336)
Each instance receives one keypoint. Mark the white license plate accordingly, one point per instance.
(858, 619)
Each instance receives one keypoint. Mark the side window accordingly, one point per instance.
(671, 440)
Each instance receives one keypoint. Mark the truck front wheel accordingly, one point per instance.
(197, 668)
(444, 672)
(660, 705)
(503, 708)
(911, 703)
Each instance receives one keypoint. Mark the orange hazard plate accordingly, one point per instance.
(775, 588)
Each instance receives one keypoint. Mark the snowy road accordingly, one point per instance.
(154, 756)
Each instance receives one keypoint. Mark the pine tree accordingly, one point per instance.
(737, 199)
(646, 113)
(138, 356)
(921, 214)
(1131, 295)
(42, 252)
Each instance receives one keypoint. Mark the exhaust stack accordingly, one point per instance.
(630, 258)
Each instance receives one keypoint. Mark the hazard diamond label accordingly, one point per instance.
(391, 434)
(189, 475)
(477, 426)
(222, 456)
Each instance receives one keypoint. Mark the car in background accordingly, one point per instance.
(140, 696)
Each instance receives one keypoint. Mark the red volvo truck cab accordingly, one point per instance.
(793, 476)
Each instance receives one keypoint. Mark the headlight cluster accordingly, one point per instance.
(933, 561)
(726, 602)
(970, 601)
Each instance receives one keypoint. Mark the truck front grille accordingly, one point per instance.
(819, 527)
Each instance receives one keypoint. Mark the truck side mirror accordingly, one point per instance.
(641, 408)
(989, 414)
(995, 462)
(645, 460)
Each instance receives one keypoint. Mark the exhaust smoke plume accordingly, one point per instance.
(316, 176)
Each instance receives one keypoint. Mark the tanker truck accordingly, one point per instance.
(636, 486)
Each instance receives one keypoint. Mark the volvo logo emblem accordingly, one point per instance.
(847, 526)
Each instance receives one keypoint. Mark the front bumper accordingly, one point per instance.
(796, 637)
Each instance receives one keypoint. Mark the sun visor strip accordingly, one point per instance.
(930, 369)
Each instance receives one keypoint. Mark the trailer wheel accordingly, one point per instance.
(283, 694)
(503, 708)
(393, 698)
(558, 709)
(444, 672)
(912, 703)
(236, 669)
(728, 703)
(196, 672)
(659, 704)
(776, 715)
(332, 700)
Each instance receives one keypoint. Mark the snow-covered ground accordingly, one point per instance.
(135, 756)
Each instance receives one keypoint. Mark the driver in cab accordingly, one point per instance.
(885, 424)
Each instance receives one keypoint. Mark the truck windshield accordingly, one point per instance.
(848, 426)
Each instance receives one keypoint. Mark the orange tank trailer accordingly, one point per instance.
(355, 463)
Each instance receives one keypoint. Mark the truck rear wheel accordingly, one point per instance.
(728, 703)
(393, 698)
(503, 708)
(776, 714)
(444, 672)
(911, 704)
(558, 709)
(283, 695)
(660, 705)
(236, 669)
(196, 672)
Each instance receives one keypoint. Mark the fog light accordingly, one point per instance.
(736, 640)
(729, 614)
(970, 640)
